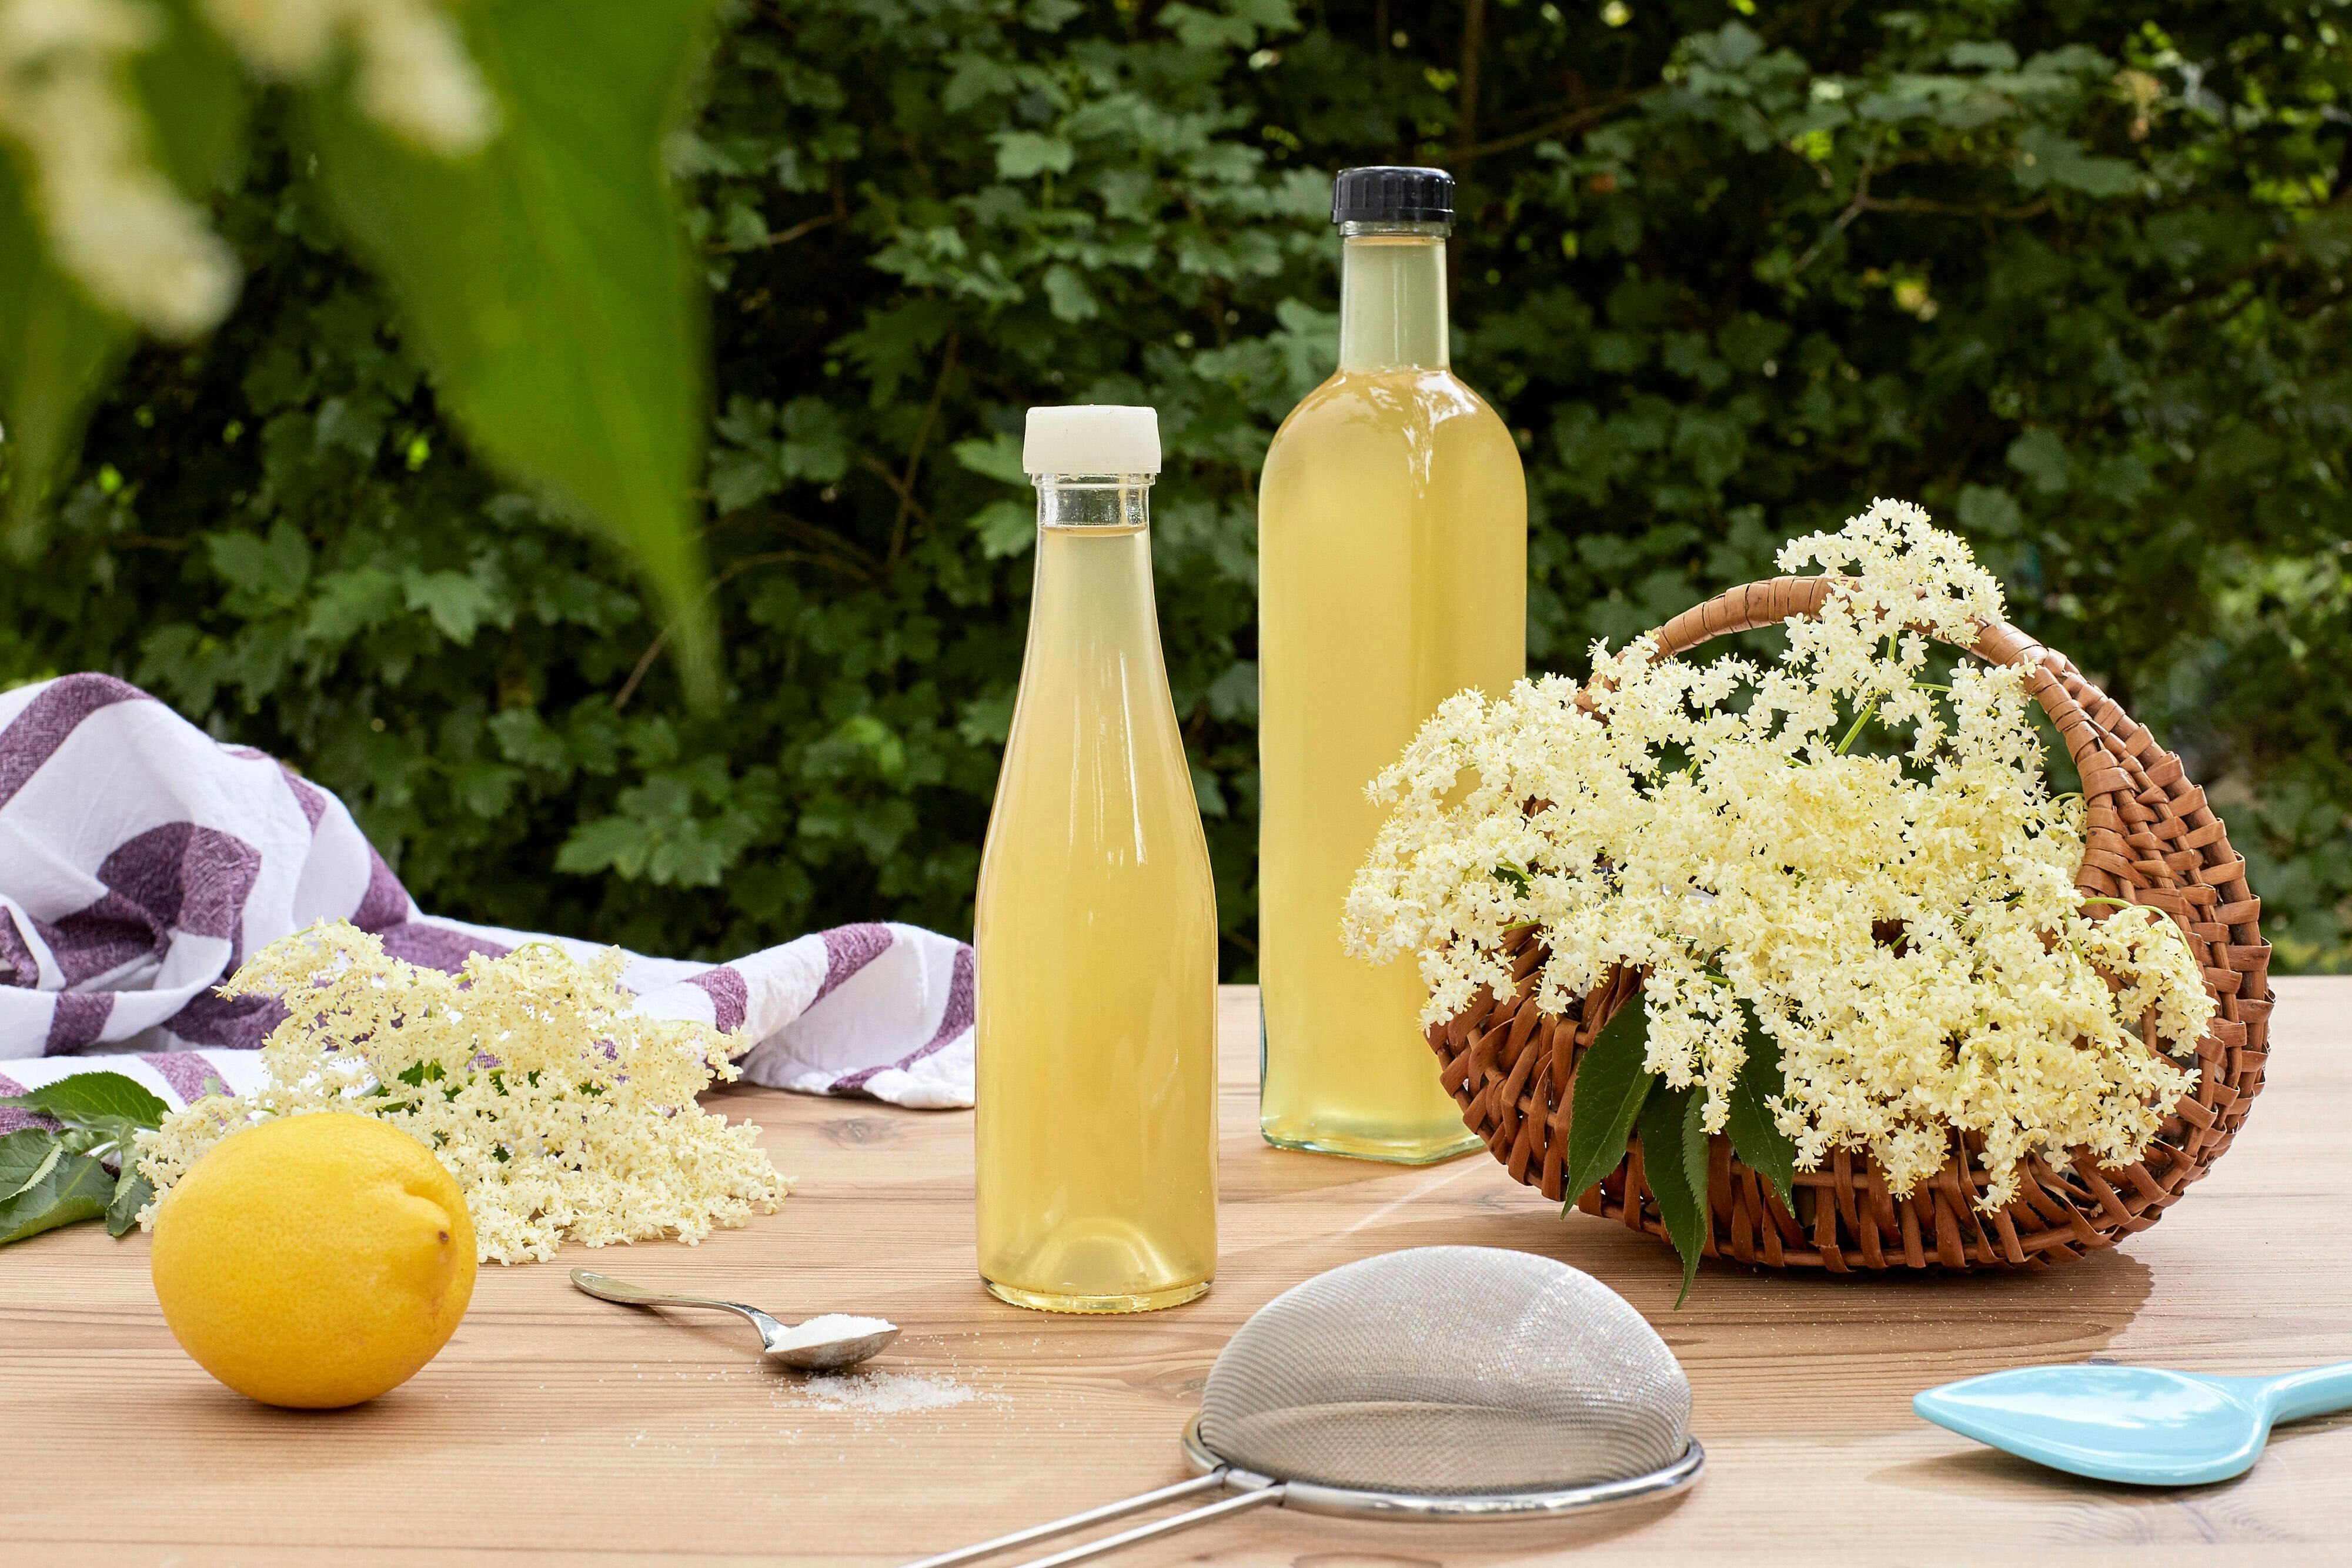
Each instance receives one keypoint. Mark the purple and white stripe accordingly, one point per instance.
(141, 860)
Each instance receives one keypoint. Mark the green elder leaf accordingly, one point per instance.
(25, 1156)
(75, 1187)
(1756, 1138)
(111, 1139)
(1611, 1085)
(91, 1099)
(132, 1192)
(1673, 1162)
(57, 348)
(546, 279)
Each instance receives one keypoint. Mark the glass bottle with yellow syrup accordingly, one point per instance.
(1096, 927)
(1393, 549)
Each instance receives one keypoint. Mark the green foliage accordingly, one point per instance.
(1613, 1094)
(2070, 276)
(1673, 1165)
(57, 1175)
(62, 1190)
(1756, 1137)
(89, 1099)
(1611, 1088)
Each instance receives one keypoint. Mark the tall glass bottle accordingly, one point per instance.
(1096, 927)
(1393, 552)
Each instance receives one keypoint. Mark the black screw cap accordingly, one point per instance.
(1384, 194)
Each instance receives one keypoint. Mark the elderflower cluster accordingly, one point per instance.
(113, 220)
(1906, 926)
(412, 74)
(565, 1114)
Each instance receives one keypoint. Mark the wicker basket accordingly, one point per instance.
(2152, 839)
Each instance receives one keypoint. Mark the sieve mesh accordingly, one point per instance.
(1447, 1371)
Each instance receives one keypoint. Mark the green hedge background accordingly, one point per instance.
(2071, 274)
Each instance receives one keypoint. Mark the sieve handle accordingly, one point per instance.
(1238, 1503)
(1109, 1510)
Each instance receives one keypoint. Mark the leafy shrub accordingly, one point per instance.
(2072, 280)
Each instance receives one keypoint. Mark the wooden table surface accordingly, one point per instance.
(559, 1427)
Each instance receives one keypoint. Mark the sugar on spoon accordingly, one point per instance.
(825, 1343)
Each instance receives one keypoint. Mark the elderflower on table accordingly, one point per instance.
(1708, 824)
(565, 1114)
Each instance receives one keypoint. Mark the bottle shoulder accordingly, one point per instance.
(1379, 422)
(1418, 397)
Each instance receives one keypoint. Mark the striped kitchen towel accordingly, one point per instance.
(141, 860)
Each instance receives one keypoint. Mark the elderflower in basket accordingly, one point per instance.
(1844, 886)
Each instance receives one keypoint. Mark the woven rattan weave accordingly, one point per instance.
(2153, 839)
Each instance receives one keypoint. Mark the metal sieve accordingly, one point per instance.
(1438, 1383)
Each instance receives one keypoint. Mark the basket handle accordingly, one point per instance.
(1774, 600)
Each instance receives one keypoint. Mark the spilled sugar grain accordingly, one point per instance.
(861, 1396)
(869, 1391)
(884, 1392)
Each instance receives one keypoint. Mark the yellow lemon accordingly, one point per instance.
(314, 1260)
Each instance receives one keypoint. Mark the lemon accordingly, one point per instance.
(314, 1260)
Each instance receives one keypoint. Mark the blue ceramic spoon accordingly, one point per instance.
(2136, 1424)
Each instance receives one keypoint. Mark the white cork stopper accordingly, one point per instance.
(1092, 438)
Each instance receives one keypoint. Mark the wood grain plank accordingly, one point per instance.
(559, 1428)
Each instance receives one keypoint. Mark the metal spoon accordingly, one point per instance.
(821, 1355)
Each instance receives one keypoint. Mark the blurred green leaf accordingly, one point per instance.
(2046, 158)
(55, 351)
(546, 279)
(57, 347)
(1022, 154)
(1005, 528)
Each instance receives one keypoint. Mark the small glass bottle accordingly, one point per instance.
(1392, 570)
(1096, 925)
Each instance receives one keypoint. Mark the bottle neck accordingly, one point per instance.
(1392, 296)
(1094, 503)
(1092, 615)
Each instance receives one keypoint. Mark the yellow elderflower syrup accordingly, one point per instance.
(1096, 927)
(1393, 549)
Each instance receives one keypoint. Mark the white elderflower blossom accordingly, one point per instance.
(413, 74)
(565, 1114)
(113, 221)
(1906, 928)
